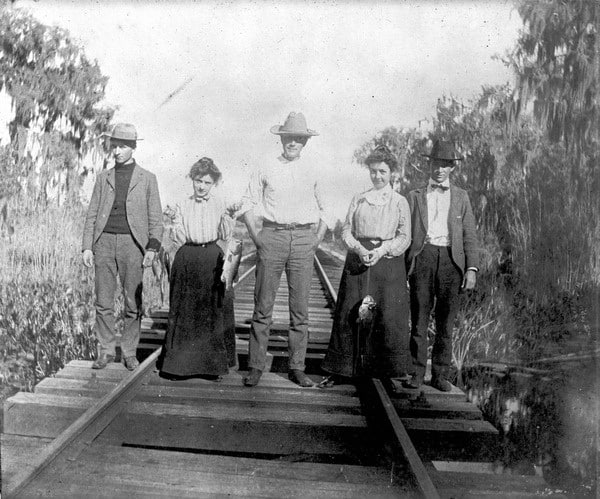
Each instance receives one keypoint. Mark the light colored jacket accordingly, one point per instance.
(464, 245)
(144, 212)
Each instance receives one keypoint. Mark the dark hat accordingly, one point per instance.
(123, 131)
(295, 124)
(444, 150)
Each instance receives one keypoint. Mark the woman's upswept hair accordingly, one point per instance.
(382, 154)
(205, 166)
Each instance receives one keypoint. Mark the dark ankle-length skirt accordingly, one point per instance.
(200, 338)
(378, 348)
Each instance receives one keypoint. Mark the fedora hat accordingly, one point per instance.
(445, 150)
(295, 124)
(123, 131)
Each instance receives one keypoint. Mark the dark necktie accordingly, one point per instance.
(439, 186)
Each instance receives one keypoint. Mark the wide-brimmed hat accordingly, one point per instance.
(442, 149)
(123, 131)
(295, 124)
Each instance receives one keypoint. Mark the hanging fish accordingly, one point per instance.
(233, 256)
(365, 311)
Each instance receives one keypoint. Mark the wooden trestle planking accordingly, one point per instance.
(111, 433)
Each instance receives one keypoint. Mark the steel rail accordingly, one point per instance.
(91, 423)
(377, 395)
(400, 441)
(84, 429)
(325, 280)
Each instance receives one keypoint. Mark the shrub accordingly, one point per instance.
(44, 325)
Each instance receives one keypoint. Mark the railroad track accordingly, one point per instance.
(112, 433)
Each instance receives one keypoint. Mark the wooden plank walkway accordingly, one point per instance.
(175, 435)
(320, 312)
(199, 438)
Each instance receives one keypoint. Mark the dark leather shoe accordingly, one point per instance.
(301, 379)
(131, 363)
(414, 382)
(102, 361)
(441, 384)
(253, 377)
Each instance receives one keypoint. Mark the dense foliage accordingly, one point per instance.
(531, 169)
(46, 298)
(556, 62)
(52, 83)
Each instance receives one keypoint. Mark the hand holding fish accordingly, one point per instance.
(231, 265)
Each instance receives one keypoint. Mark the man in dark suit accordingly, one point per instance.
(443, 259)
(122, 232)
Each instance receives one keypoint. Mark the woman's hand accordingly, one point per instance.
(373, 257)
(365, 256)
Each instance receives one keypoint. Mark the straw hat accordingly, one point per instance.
(295, 124)
(123, 131)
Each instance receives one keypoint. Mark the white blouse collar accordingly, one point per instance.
(379, 197)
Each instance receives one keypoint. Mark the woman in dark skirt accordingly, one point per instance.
(196, 343)
(370, 326)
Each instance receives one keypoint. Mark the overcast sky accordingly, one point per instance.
(352, 68)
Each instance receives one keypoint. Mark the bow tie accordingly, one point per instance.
(439, 186)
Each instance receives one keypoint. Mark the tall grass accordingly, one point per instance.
(46, 295)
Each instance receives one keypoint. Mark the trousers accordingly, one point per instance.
(291, 250)
(118, 254)
(435, 279)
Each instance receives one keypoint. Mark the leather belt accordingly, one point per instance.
(203, 245)
(293, 226)
(376, 241)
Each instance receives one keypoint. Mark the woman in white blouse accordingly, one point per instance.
(373, 340)
(195, 343)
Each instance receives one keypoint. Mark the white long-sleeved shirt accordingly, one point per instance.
(287, 192)
(378, 214)
(438, 207)
(202, 221)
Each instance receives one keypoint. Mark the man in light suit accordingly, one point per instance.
(122, 232)
(442, 260)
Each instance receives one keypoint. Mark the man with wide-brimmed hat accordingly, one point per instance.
(442, 260)
(122, 232)
(286, 190)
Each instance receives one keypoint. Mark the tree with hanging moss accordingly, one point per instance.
(49, 78)
(56, 93)
(556, 61)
